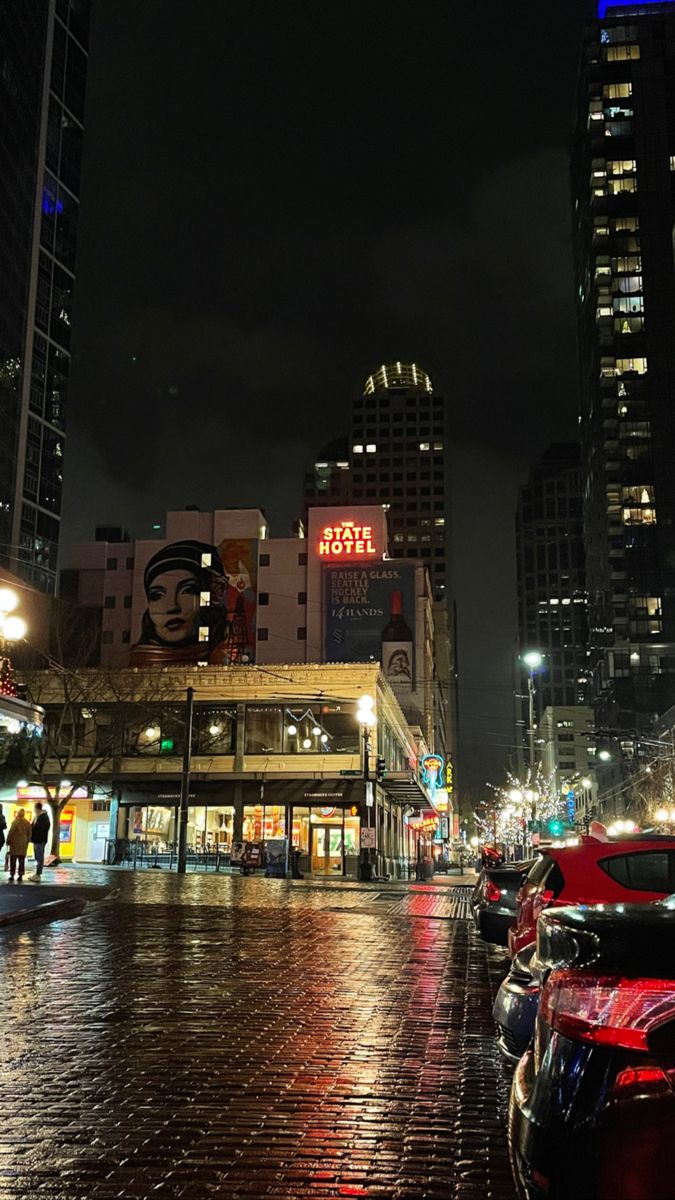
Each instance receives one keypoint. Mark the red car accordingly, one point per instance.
(631, 869)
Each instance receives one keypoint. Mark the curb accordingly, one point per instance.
(51, 910)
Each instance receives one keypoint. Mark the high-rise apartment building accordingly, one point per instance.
(552, 598)
(43, 66)
(624, 210)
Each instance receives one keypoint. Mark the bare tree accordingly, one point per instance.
(93, 717)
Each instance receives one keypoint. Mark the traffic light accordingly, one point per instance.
(556, 828)
(380, 769)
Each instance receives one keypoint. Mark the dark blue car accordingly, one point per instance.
(592, 1112)
(515, 1009)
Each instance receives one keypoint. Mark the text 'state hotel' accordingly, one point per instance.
(43, 65)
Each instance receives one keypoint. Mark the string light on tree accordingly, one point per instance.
(7, 681)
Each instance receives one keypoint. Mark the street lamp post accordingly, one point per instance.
(533, 661)
(181, 865)
(366, 718)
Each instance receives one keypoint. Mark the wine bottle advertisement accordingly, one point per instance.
(370, 617)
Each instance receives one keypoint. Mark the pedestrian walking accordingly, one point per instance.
(3, 826)
(39, 833)
(17, 840)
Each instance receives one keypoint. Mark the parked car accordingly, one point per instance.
(629, 869)
(494, 900)
(592, 1111)
(515, 1008)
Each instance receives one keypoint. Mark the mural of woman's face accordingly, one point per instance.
(173, 605)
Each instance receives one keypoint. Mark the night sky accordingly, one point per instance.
(278, 197)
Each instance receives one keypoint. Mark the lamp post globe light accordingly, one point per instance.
(12, 629)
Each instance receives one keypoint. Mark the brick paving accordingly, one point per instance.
(229, 1037)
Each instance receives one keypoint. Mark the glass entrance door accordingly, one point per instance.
(326, 855)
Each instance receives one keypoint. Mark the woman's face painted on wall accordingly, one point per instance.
(173, 605)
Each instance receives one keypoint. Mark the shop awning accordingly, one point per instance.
(15, 713)
(404, 788)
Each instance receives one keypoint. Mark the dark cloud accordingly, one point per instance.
(275, 199)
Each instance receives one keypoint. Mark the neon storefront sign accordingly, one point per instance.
(432, 771)
(346, 540)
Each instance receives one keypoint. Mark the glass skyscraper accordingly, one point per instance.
(43, 67)
(624, 213)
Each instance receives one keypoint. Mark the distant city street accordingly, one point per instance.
(247, 1037)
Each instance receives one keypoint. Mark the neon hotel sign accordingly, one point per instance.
(346, 540)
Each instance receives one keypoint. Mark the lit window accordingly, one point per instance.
(629, 324)
(357, 449)
(639, 516)
(206, 559)
(424, 446)
(628, 304)
(204, 599)
(438, 445)
(617, 186)
(617, 91)
(627, 262)
(621, 53)
(621, 166)
(625, 224)
(439, 521)
(636, 365)
(371, 448)
(672, 162)
(203, 633)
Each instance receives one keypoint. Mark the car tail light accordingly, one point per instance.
(639, 1081)
(492, 892)
(607, 1010)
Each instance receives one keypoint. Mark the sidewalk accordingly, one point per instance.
(23, 902)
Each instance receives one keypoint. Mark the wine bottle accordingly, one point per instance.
(397, 645)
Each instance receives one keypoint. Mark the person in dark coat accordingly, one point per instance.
(39, 833)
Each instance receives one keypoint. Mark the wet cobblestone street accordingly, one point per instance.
(231, 1037)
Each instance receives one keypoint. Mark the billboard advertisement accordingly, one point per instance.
(370, 617)
(199, 604)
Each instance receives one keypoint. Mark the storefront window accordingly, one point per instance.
(210, 829)
(215, 730)
(321, 729)
(263, 822)
(154, 825)
(155, 732)
(301, 729)
(263, 730)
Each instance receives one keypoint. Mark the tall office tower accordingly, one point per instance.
(395, 457)
(43, 65)
(552, 597)
(398, 443)
(623, 190)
